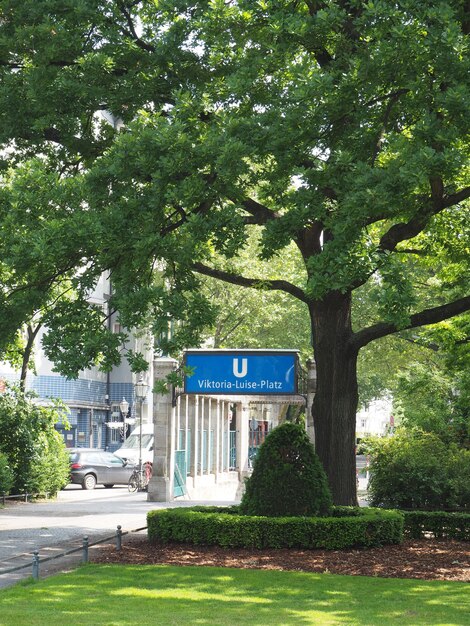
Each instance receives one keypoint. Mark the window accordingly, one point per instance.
(91, 458)
(110, 459)
(115, 435)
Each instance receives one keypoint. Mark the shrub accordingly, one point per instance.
(416, 470)
(346, 527)
(6, 474)
(439, 524)
(288, 478)
(459, 478)
(35, 451)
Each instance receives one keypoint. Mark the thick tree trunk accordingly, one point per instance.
(335, 404)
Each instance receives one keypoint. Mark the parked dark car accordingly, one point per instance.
(90, 467)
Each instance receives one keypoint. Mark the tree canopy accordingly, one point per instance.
(339, 127)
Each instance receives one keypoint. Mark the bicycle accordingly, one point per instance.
(139, 479)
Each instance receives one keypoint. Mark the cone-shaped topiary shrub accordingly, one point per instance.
(288, 478)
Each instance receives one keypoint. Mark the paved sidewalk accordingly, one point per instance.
(55, 566)
(55, 526)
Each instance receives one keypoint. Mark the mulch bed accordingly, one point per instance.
(427, 559)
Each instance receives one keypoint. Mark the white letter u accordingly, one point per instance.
(244, 371)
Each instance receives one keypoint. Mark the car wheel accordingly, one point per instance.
(109, 486)
(89, 482)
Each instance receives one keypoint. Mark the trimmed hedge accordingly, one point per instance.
(439, 524)
(346, 527)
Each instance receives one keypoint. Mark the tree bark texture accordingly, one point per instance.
(335, 403)
(31, 334)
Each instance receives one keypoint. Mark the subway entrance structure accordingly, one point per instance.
(207, 433)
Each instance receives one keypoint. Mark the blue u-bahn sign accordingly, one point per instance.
(241, 372)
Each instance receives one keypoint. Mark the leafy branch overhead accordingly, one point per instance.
(154, 140)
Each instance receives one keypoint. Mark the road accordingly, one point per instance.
(54, 526)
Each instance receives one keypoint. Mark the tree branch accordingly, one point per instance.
(455, 198)
(408, 230)
(428, 316)
(21, 66)
(394, 95)
(415, 342)
(131, 32)
(254, 283)
(76, 144)
(222, 338)
(393, 98)
(260, 213)
(416, 251)
(172, 226)
(179, 210)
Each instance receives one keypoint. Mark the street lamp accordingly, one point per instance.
(124, 406)
(140, 391)
(126, 421)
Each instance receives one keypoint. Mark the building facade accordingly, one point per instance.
(93, 399)
(375, 419)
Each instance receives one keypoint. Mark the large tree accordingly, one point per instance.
(340, 126)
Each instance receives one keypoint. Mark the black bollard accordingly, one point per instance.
(35, 565)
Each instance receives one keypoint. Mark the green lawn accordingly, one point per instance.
(118, 595)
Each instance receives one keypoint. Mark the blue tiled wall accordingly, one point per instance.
(80, 390)
(91, 392)
(118, 391)
(79, 420)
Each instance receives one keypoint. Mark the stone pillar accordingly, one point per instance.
(202, 420)
(160, 488)
(311, 389)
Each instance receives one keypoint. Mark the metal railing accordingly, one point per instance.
(83, 548)
(22, 496)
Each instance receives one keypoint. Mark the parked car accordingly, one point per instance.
(90, 467)
(135, 445)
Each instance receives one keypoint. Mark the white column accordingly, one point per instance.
(186, 431)
(195, 440)
(222, 435)
(209, 448)
(173, 448)
(217, 440)
(178, 422)
(227, 452)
